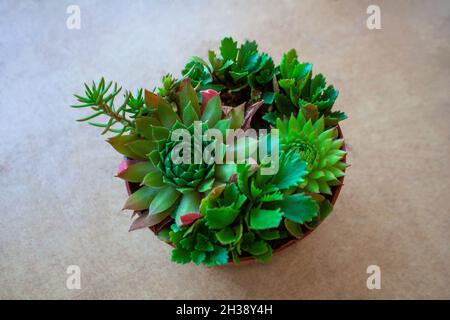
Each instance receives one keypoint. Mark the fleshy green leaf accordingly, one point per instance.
(164, 199)
(291, 171)
(153, 179)
(142, 147)
(187, 94)
(269, 234)
(141, 199)
(198, 257)
(144, 126)
(256, 248)
(325, 209)
(265, 219)
(189, 115)
(180, 255)
(237, 116)
(120, 144)
(298, 207)
(203, 243)
(160, 133)
(228, 49)
(226, 236)
(265, 257)
(166, 115)
(218, 257)
(218, 218)
(147, 220)
(136, 172)
(190, 202)
(213, 111)
(293, 228)
(225, 171)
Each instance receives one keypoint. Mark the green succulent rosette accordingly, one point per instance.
(319, 148)
(169, 189)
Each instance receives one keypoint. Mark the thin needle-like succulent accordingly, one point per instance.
(100, 98)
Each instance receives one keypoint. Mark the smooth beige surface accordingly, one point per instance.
(61, 204)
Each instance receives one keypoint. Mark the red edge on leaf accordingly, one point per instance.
(206, 96)
(124, 166)
(189, 218)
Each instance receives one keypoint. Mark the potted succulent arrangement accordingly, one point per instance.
(217, 209)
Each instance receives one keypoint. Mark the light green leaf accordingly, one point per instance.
(218, 218)
(237, 116)
(206, 185)
(136, 172)
(291, 171)
(198, 257)
(298, 207)
(164, 199)
(166, 115)
(142, 147)
(213, 111)
(190, 202)
(265, 219)
(187, 94)
(141, 199)
(153, 179)
(225, 171)
(226, 236)
(189, 115)
(120, 144)
(144, 126)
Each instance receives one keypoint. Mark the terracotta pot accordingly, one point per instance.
(131, 187)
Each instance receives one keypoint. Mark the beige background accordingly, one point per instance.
(61, 204)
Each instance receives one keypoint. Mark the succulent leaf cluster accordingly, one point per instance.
(301, 91)
(235, 71)
(242, 73)
(320, 148)
(249, 215)
(213, 213)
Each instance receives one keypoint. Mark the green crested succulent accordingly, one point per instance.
(300, 91)
(319, 148)
(245, 218)
(240, 73)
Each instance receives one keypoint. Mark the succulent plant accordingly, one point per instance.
(100, 98)
(247, 216)
(319, 148)
(212, 211)
(300, 91)
(240, 73)
(168, 188)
